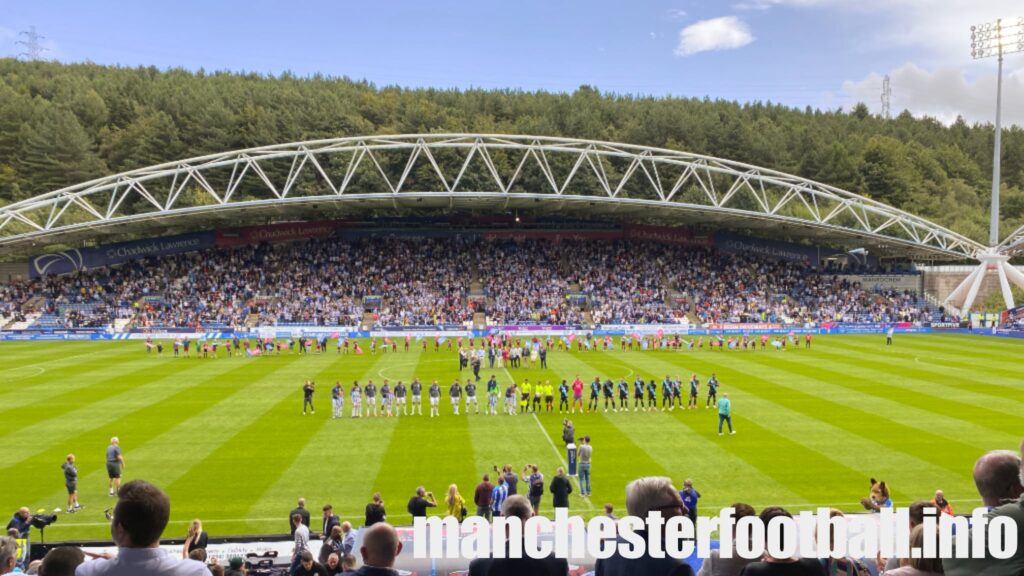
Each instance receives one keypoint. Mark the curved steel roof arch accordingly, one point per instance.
(461, 167)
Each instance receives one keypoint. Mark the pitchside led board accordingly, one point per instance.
(571, 458)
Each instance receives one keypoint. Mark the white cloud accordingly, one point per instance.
(943, 94)
(725, 33)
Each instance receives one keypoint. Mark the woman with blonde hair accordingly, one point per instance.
(196, 538)
(456, 503)
(917, 566)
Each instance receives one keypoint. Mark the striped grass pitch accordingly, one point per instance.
(227, 440)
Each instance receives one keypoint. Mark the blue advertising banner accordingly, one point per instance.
(87, 258)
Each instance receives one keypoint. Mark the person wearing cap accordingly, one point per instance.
(235, 567)
(309, 567)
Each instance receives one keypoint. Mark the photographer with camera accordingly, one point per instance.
(419, 503)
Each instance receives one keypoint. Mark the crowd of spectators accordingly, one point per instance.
(402, 282)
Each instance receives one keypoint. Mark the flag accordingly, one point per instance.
(336, 335)
(571, 338)
(387, 340)
(419, 337)
(587, 342)
(358, 350)
(644, 345)
(441, 339)
(660, 332)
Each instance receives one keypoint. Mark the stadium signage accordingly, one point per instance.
(273, 233)
(747, 327)
(666, 235)
(770, 248)
(70, 261)
(1013, 315)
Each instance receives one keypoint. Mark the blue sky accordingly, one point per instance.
(822, 53)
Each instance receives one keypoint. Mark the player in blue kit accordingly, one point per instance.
(638, 393)
(712, 391)
(694, 390)
(623, 395)
(666, 394)
(609, 395)
(652, 395)
(595, 389)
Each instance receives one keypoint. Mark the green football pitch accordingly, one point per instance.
(227, 440)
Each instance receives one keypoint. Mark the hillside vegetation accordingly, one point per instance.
(63, 124)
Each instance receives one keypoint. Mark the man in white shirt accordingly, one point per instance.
(139, 520)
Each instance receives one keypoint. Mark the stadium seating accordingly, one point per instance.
(427, 282)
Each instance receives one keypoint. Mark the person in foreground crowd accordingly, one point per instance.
(308, 566)
(62, 561)
(380, 548)
(140, 516)
(725, 413)
(690, 495)
(920, 566)
(997, 489)
(771, 566)
(455, 504)
(585, 456)
(560, 489)
(715, 565)
(8, 554)
(941, 504)
(521, 508)
(643, 496)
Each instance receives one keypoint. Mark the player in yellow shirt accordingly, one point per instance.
(524, 402)
(549, 396)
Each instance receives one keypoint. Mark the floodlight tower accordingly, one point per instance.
(997, 39)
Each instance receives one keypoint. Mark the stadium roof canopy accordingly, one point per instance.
(364, 177)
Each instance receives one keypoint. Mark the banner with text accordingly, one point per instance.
(74, 260)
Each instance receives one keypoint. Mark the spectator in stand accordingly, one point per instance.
(922, 566)
(348, 565)
(560, 489)
(521, 508)
(609, 511)
(990, 471)
(482, 497)
(333, 565)
(62, 561)
(997, 477)
(419, 503)
(307, 566)
(299, 509)
(375, 511)
(140, 516)
(236, 567)
(331, 545)
(348, 539)
(715, 565)
(771, 566)
(643, 496)
(846, 566)
(380, 548)
(8, 554)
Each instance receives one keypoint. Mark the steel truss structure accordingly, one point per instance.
(498, 169)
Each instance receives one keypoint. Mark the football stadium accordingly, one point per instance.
(272, 353)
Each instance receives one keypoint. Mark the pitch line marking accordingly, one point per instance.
(40, 372)
(590, 505)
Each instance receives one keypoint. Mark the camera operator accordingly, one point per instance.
(21, 521)
(419, 503)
